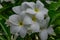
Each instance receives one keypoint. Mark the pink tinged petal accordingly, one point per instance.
(17, 10)
(14, 29)
(27, 20)
(35, 27)
(43, 35)
(14, 19)
(26, 5)
(30, 11)
(23, 32)
(50, 30)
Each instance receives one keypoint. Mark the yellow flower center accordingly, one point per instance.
(34, 18)
(21, 23)
(36, 10)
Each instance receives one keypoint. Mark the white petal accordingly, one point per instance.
(30, 11)
(47, 19)
(35, 27)
(23, 32)
(50, 30)
(26, 5)
(14, 29)
(1, 6)
(27, 20)
(14, 19)
(39, 4)
(40, 16)
(44, 11)
(17, 9)
(44, 23)
(43, 35)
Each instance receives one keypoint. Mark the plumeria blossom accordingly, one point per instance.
(34, 27)
(18, 24)
(44, 32)
(12, 1)
(36, 9)
(1, 6)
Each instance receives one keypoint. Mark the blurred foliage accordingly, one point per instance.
(6, 11)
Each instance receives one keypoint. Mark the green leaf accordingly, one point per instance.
(7, 35)
(58, 39)
(2, 38)
(57, 16)
(54, 6)
(57, 30)
(5, 29)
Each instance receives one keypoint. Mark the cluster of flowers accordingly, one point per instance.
(30, 17)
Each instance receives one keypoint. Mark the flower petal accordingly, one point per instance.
(26, 5)
(43, 35)
(50, 30)
(30, 11)
(27, 20)
(35, 27)
(39, 4)
(47, 20)
(44, 11)
(40, 16)
(44, 23)
(14, 29)
(17, 9)
(14, 19)
(23, 32)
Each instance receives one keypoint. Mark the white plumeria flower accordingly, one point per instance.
(18, 24)
(21, 10)
(1, 6)
(25, 8)
(45, 32)
(12, 1)
(31, 8)
(36, 9)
